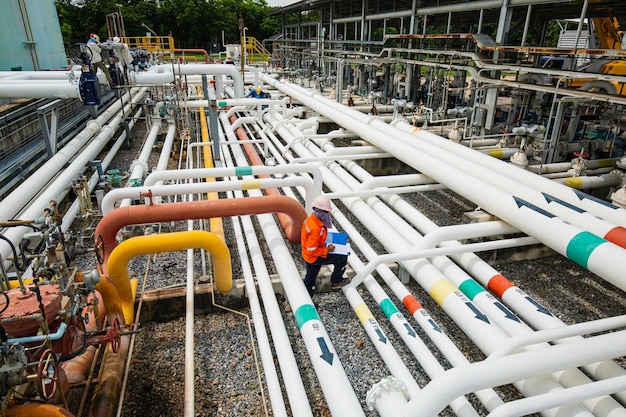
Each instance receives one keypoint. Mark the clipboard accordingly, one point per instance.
(340, 240)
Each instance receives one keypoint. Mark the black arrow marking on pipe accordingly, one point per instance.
(409, 329)
(523, 203)
(326, 353)
(540, 308)
(550, 199)
(479, 315)
(435, 327)
(507, 312)
(583, 196)
(381, 336)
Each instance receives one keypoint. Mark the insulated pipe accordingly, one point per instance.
(582, 247)
(443, 292)
(294, 387)
(158, 176)
(600, 208)
(253, 156)
(586, 183)
(73, 210)
(426, 359)
(165, 74)
(335, 385)
(140, 245)
(526, 195)
(110, 224)
(488, 373)
(258, 319)
(25, 193)
(483, 299)
(140, 165)
(108, 203)
(39, 89)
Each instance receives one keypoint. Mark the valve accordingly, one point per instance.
(47, 375)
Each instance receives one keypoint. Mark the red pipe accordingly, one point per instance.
(124, 216)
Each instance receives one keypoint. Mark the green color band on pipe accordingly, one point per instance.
(581, 246)
(388, 307)
(241, 171)
(221, 104)
(470, 288)
(305, 313)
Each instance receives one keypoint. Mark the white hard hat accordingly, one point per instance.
(321, 202)
(116, 39)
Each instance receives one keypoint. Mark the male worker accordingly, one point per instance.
(96, 59)
(314, 249)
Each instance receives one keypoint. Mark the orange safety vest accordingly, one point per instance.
(313, 239)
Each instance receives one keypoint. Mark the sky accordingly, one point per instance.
(276, 3)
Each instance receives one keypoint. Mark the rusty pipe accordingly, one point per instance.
(194, 51)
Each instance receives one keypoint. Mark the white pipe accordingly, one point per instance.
(189, 400)
(70, 215)
(540, 402)
(167, 76)
(521, 191)
(140, 165)
(430, 364)
(430, 281)
(488, 373)
(335, 385)
(157, 177)
(587, 182)
(39, 89)
(59, 187)
(595, 254)
(614, 214)
(108, 203)
(258, 319)
(395, 181)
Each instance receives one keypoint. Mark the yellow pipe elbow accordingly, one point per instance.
(141, 245)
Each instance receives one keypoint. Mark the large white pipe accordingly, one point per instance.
(59, 187)
(482, 332)
(488, 373)
(578, 245)
(108, 203)
(601, 406)
(163, 74)
(602, 209)
(338, 391)
(39, 89)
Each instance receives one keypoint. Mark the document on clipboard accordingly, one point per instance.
(340, 240)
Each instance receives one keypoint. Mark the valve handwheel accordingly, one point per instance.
(47, 374)
(115, 334)
(584, 155)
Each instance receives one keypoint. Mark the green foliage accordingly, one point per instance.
(193, 23)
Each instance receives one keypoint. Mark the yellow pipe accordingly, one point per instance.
(215, 223)
(141, 245)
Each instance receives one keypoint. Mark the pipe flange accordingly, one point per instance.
(386, 385)
(621, 163)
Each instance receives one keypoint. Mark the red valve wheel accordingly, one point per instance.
(581, 154)
(115, 334)
(47, 375)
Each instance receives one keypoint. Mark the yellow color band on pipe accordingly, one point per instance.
(576, 182)
(250, 184)
(363, 313)
(496, 153)
(441, 289)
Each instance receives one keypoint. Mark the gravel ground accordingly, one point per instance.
(226, 378)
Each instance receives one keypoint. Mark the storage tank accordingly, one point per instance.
(30, 36)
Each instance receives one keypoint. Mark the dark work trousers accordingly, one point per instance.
(312, 269)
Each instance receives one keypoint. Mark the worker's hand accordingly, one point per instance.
(331, 247)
